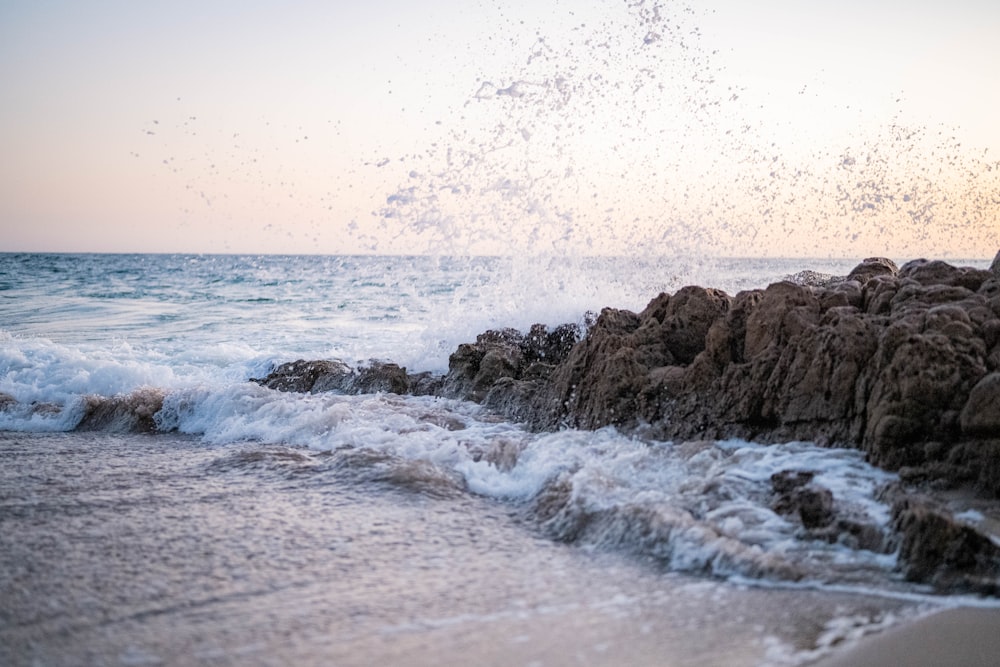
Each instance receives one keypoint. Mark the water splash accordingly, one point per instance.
(626, 136)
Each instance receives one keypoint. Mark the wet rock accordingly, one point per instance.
(335, 376)
(425, 384)
(507, 355)
(45, 409)
(798, 495)
(381, 376)
(474, 368)
(549, 346)
(814, 278)
(307, 376)
(7, 401)
(126, 413)
(937, 549)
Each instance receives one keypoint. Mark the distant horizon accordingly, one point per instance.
(650, 257)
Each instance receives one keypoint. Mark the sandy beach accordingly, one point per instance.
(959, 637)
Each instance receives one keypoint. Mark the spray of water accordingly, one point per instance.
(621, 133)
(623, 136)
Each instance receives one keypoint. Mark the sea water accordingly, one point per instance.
(261, 527)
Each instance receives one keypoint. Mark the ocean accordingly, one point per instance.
(262, 527)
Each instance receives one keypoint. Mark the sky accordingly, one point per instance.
(779, 127)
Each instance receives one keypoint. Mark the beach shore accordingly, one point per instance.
(961, 637)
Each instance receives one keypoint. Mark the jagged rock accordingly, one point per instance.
(474, 368)
(425, 384)
(507, 354)
(550, 347)
(995, 265)
(798, 495)
(7, 401)
(687, 318)
(784, 312)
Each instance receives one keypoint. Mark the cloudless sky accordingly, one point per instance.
(776, 127)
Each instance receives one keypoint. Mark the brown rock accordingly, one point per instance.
(474, 368)
(871, 267)
(380, 376)
(817, 378)
(687, 319)
(785, 310)
(937, 272)
(878, 294)
(919, 385)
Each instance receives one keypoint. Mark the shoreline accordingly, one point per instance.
(966, 636)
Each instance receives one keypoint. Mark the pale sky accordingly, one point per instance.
(775, 127)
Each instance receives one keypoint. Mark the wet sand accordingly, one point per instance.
(960, 637)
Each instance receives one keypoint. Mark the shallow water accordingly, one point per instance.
(167, 550)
